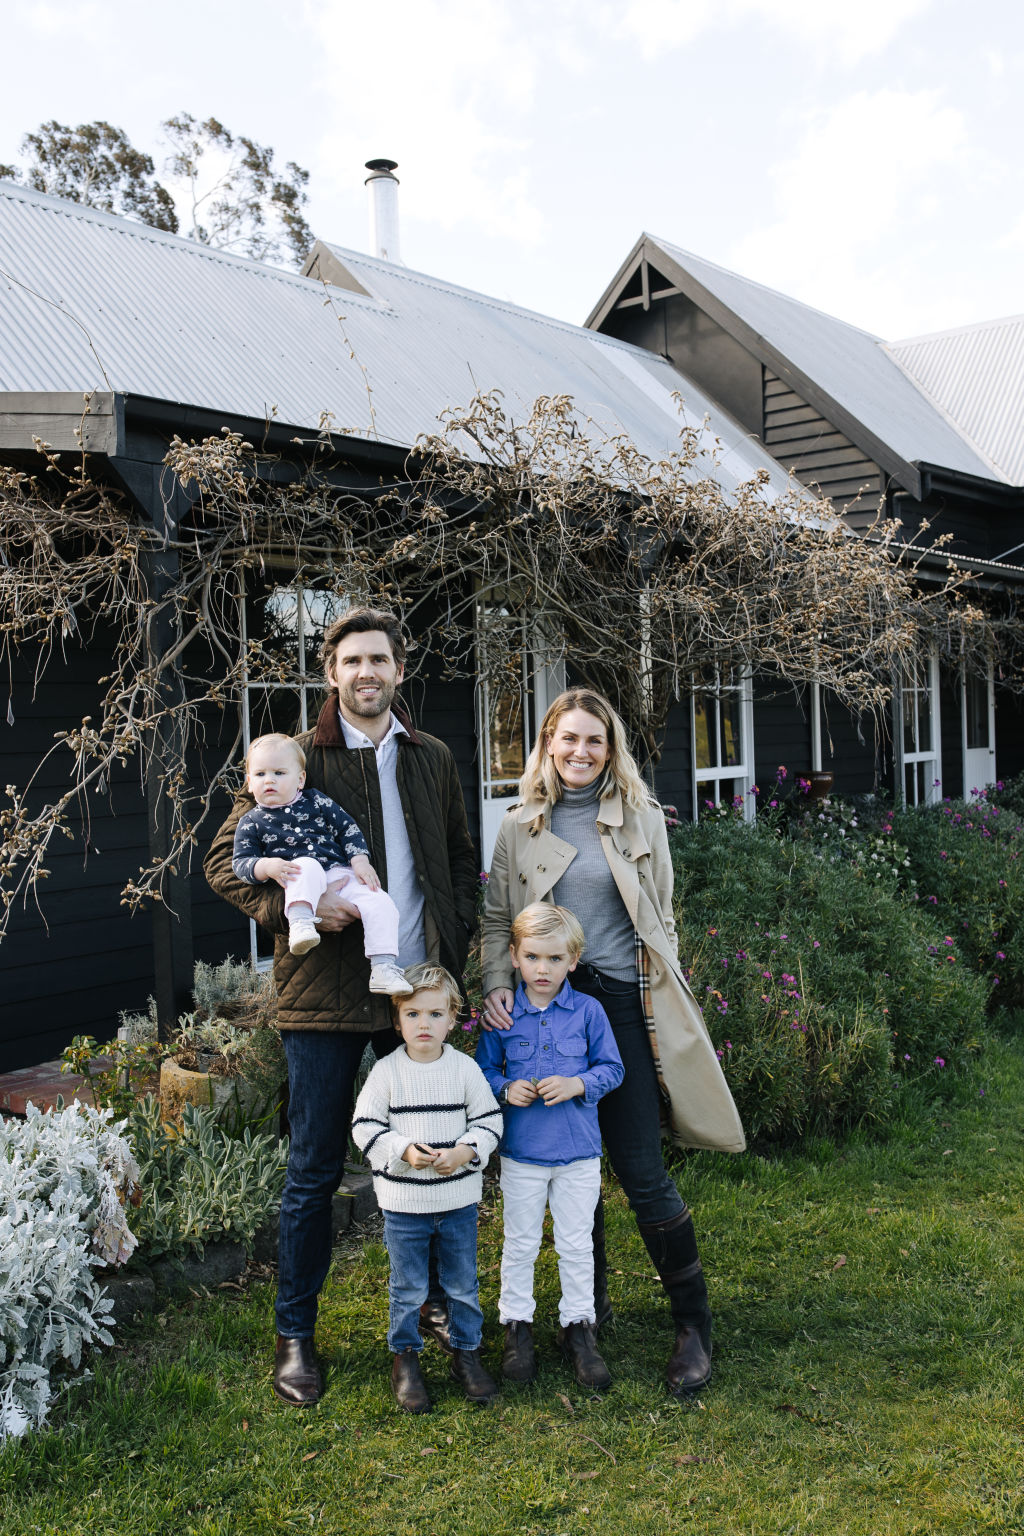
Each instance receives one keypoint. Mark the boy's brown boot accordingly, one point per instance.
(467, 1367)
(578, 1343)
(519, 1362)
(407, 1383)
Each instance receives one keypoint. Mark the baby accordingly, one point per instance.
(306, 842)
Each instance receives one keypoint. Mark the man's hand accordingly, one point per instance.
(334, 912)
(497, 1012)
(281, 870)
(520, 1093)
(453, 1157)
(420, 1157)
(557, 1090)
(365, 872)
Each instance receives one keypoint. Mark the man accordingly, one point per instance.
(403, 790)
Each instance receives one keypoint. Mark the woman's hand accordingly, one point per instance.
(497, 1012)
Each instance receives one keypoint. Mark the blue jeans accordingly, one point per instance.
(410, 1239)
(630, 1116)
(322, 1068)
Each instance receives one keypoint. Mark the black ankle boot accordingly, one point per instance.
(407, 1383)
(519, 1362)
(578, 1344)
(468, 1368)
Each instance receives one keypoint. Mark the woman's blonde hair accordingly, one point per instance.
(540, 779)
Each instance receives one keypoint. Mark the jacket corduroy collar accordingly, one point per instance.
(328, 732)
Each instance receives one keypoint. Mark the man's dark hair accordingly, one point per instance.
(359, 621)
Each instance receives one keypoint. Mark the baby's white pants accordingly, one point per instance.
(377, 910)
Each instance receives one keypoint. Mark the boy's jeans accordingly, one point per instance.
(408, 1237)
(571, 1190)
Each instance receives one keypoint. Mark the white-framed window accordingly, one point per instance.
(722, 734)
(978, 729)
(288, 621)
(518, 675)
(917, 733)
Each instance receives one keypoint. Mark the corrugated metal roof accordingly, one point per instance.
(89, 300)
(975, 374)
(849, 366)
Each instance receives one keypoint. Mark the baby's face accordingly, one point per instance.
(273, 776)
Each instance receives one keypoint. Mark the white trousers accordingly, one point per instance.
(377, 910)
(571, 1190)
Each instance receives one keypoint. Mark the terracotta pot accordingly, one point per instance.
(228, 1096)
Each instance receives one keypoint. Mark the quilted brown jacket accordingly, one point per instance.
(327, 988)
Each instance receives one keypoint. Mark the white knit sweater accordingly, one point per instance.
(436, 1103)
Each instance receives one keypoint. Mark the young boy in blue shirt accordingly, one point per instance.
(548, 1072)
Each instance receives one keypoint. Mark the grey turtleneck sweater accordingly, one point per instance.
(587, 888)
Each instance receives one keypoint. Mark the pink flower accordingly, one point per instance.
(939, 1061)
(815, 944)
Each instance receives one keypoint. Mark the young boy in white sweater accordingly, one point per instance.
(428, 1122)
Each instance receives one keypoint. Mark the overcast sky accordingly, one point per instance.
(865, 156)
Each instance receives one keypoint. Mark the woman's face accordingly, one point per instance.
(578, 747)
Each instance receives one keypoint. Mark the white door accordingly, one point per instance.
(979, 731)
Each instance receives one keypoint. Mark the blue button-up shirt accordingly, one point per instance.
(571, 1037)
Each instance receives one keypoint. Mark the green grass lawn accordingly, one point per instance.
(868, 1375)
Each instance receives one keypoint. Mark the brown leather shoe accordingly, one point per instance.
(434, 1324)
(519, 1362)
(689, 1369)
(407, 1383)
(467, 1368)
(297, 1377)
(578, 1343)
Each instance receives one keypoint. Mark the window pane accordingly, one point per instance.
(977, 712)
(507, 732)
(732, 749)
(274, 709)
(320, 609)
(704, 733)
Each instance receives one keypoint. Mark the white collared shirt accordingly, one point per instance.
(403, 885)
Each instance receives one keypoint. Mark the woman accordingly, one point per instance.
(588, 836)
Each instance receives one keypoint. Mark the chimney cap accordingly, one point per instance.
(382, 168)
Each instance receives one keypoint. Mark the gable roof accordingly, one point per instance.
(975, 374)
(92, 301)
(845, 373)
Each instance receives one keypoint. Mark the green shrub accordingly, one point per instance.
(966, 858)
(819, 980)
(201, 1183)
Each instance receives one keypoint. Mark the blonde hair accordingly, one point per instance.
(540, 779)
(430, 978)
(541, 920)
(276, 738)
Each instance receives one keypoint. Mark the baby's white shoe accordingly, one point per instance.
(387, 977)
(302, 935)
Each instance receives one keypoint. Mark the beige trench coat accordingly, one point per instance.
(528, 862)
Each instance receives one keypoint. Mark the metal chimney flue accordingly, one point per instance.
(383, 185)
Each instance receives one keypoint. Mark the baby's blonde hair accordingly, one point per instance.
(430, 978)
(541, 920)
(276, 738)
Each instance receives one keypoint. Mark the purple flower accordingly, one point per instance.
(1000, 955)
(939, 1061)
(783, 773)
(906, 1055)
(728, 1045)
(815, 944)
(947, 939)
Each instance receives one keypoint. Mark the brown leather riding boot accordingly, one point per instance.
(673, 1247)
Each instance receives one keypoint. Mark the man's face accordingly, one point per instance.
(365, 673)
